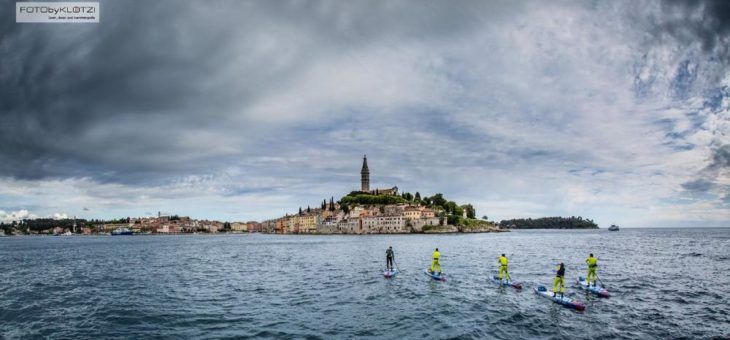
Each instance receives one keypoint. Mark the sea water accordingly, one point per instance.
(664, 283)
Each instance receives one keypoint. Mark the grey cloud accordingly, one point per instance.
(720, 158)
(698, 185)
(694, 36)
(121, 100)
(707, 21)
(707, 180)
(162, 100)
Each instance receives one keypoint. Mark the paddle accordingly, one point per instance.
(601, 282)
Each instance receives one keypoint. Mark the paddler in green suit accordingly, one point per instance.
(503, 274)
(435, 265)
(559, 280)
(592, 265)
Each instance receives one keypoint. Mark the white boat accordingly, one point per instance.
(121, 231)
(613, 227)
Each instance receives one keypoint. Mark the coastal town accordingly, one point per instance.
(380, 211)
(367, 211)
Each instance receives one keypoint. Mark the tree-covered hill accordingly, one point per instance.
(549, 223)
(451, 212)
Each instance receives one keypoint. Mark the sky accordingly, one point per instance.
(618, 111)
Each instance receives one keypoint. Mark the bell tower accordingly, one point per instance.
(365, 175)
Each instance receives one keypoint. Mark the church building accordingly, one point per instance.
(365, 182)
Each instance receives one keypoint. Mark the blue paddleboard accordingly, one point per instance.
(435, 276)
(597, 289)
(515, 284)
(565, 301)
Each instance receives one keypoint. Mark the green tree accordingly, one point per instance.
(418, 196)
(455, 219)
(459, 211)
(427, 201)
(450, 207)
(438, 200)
(470, 212)
(366, 199)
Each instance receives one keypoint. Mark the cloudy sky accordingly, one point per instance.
(244, 110)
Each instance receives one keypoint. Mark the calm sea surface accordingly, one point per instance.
(665, 283)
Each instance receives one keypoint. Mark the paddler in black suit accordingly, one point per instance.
(389, 256)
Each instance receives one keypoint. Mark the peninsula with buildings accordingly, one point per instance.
(381, 211)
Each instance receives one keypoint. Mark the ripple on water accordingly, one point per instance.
(331, 286)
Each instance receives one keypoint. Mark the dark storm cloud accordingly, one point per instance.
(698, 32)
(705, 21)
(85, 100)
(121, 100)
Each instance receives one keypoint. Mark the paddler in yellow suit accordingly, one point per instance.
(559, 280)
(592, 265)
(503, 274)
(435, 265)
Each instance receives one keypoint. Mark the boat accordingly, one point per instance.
(390, 273)
(67, 233)
(121, 231)
(437, 277)
(613, 227)
(515, 284)
(561, 300)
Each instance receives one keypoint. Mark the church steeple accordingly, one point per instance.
(365, 175)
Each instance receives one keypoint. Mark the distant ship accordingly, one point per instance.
(121, 231)
(613, 227)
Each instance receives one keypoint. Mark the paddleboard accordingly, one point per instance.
(562, 300)
(597, 289)
(515, 284)
(434, 276)
(390, 273)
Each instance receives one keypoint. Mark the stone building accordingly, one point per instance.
(365, 182)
